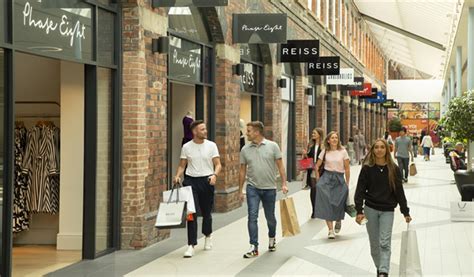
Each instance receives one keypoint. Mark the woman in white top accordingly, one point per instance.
(427, 145)
(332, 187)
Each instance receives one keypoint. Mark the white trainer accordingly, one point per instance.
(331, 235)
(207, 243)
(189, 252)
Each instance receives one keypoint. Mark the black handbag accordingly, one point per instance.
(321, 168)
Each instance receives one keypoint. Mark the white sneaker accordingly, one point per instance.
(207, 243)
(331, 235)
(189, 252)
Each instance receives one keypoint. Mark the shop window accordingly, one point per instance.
(105, 2)
(187, 22)
(3, 22)
(103, 239)
(2, 135)
(185, 60)
(106, 37)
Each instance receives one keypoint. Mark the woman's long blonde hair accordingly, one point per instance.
(392, 169)
(327, 145)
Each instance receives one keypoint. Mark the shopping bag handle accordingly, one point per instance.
(177, 186)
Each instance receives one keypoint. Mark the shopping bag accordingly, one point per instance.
(289, 221)
(185, 194)
(410, 264)
(305, 164)
(413, 170)
(462, 211)
(172, 214)
(432, 151)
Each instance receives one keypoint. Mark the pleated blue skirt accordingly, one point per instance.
(331, 196)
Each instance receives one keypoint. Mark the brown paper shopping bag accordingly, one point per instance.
(413, 170)
(289, 221)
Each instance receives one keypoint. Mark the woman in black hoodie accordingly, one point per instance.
(380, 187)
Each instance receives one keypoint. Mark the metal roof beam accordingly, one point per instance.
(403, 32)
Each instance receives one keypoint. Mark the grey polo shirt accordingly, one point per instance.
(261, 163)
(403, 145)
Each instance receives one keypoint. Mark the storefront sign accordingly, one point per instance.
(357, 85)
(324, 66)
(188, 3)
(379, 98)
(184, 60)
(367, 91)
(388, 103)
(248, 78)
(295, 51)
(259, 28)
(62, 31)
(345, 77)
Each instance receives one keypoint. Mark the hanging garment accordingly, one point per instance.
(39, 164)
(54, 179)
(20, 187)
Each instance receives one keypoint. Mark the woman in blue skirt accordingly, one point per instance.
(332, 188)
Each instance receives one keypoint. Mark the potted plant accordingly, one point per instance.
(459, 120)
(394, 127)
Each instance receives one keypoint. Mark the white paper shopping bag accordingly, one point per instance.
(185, 194)
(410, 264)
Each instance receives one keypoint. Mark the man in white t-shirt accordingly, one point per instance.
(201, 157)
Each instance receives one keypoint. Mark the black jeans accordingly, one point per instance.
(203, 194)
(312, 194)
(403, 165)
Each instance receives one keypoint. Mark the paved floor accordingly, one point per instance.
(446, 248)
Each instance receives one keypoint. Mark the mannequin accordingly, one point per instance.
(187, 121)
(242, 137)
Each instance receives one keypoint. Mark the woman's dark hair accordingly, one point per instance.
(392, 169)
(195, 124)
(320, 133)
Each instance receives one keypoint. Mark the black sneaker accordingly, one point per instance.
(272, 245)
(383, 274)
(252, 253)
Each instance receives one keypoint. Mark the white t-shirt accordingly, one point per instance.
(199, 157)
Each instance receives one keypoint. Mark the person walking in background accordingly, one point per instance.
(331, 188)
(389, 140)
(415, 141)
(259, 161)
(403, 152)
(379, 190)
(314, 149)
(362, 146)
(427, 145)
(200, 159)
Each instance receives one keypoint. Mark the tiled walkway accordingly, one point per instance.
(446, 248)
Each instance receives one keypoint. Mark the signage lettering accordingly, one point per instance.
(324, 66)
(299, 51)
(345, 77)
(190, 61)
(367, 91)
(259, 28)
(357, 85)
(66, 28)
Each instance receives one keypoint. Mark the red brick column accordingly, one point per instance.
(321, 105)
(302, 114)
(272, 117)
(347, 118)
(355, 117)
(362, 116)
(227, 129)
(336, 108)
(144, 165)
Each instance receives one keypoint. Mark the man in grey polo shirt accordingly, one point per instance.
(403, 152)
(259, 161)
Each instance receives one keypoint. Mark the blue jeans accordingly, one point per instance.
(268, 197)
(379, 227)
